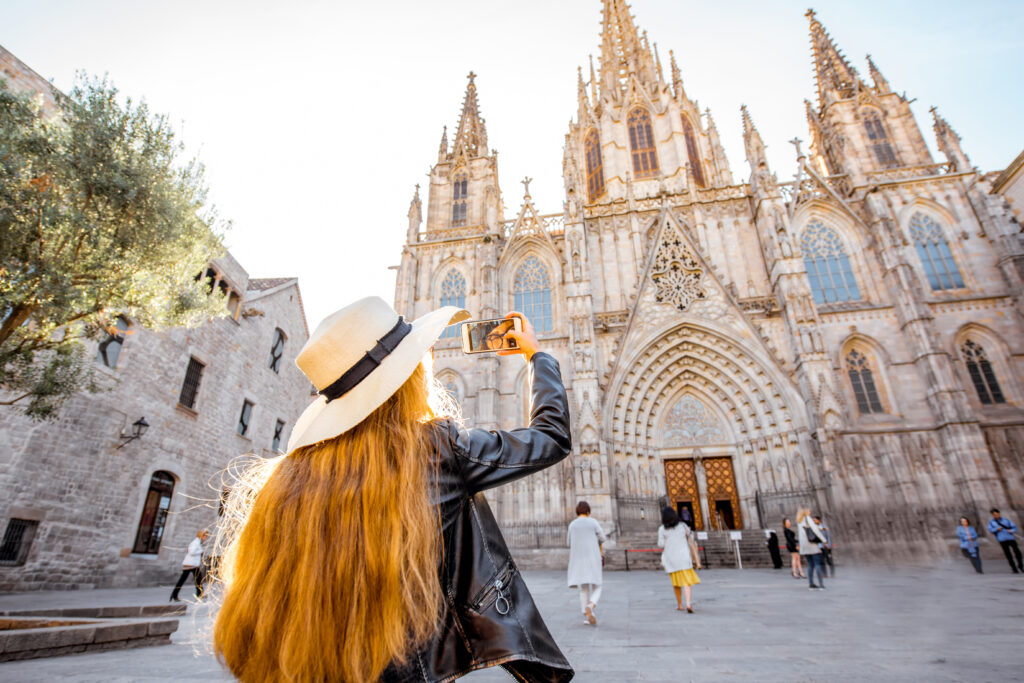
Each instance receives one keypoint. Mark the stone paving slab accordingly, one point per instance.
(941, 623)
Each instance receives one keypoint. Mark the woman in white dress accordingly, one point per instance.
(586, 551)
(674, 537)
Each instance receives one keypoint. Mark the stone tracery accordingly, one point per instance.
(677, 275)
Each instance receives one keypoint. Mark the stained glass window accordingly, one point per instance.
(828, 266)
(879, 140)
(531, 289)
(641, 142)
(690, 423)
(693, 153)
(453, 293)
(863, 382)
(460, 200)
(936, 258)
(980, 369)
(595, 166)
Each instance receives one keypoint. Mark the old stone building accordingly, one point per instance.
(850, 338)
(95, 498)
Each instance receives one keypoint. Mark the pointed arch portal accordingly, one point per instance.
(716, 417)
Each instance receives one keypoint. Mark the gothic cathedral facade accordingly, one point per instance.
(851, 340)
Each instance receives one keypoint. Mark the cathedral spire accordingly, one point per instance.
(442, 150)
(581, 94)
(593, 82)
(471, 136)
(949, 142)
(677, 78)
(881, 85)
(836, 77)
(752, 142)
(623, 52)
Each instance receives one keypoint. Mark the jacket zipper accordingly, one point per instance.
(496, 592)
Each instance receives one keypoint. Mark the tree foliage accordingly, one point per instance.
(100, 216)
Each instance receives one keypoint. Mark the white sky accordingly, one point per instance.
(315, 119)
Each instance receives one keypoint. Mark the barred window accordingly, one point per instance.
(641, 143)
(878, 138)
(460, 200)
(828, 266)
(936, 258)
(453, 293)
(244, 418)
(190, 387)
(110, 348)
(693, 153)
(17, 541)
(275, 445)
(154, 513)
(982, 376)
(862, 380)
(277, 351)
(531, 289)
(595, 165)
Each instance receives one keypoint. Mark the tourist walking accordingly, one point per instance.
(368, 552)
(969, 543)
(826, 549)
(795, 565)
(1005, 532)
(678, 557)
(192, 564)
(586, 557)
(811, 537)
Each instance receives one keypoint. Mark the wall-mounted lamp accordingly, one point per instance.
(139, 428)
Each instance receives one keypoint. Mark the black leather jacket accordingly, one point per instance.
(489, 615)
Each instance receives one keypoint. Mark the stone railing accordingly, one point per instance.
(452, 233)
(552, 223)
(908, 172)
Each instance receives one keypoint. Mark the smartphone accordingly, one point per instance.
(485, 336)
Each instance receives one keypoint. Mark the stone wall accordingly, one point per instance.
(86, 487)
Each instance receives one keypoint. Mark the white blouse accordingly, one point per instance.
(675, 541)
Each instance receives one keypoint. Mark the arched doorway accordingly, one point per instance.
(696, 452)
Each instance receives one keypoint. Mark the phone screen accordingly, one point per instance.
(480, 336)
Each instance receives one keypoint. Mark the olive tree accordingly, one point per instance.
(101, 215)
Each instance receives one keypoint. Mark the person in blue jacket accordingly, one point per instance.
(1005, 532)
(969, 543)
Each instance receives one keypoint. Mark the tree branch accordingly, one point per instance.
(11, 403)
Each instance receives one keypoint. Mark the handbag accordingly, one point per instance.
(811, 536)
(694, 550)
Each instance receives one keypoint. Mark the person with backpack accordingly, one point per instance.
(1005, 532)
(811, 538)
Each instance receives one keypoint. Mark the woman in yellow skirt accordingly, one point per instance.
(674, 537)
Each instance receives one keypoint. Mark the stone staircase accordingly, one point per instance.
(717, 551)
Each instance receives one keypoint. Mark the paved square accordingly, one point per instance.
(941, 623)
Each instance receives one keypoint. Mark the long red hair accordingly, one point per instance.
(333, 575)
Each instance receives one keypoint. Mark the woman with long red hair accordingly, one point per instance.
(368, 552)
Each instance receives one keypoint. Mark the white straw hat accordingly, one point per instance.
(357, 358)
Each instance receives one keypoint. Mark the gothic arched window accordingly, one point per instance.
(453, 293)
(878, 138)
(693, 154)
(980, 369)
(641, 143)
(862, 380)
(828, 266)
(937, 260)
(531, 288)
(595, 166)
(154, 513)
(460, 200)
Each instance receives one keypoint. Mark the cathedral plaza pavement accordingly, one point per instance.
(871, 624)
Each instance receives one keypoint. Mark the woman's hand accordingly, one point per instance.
(525, 339)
